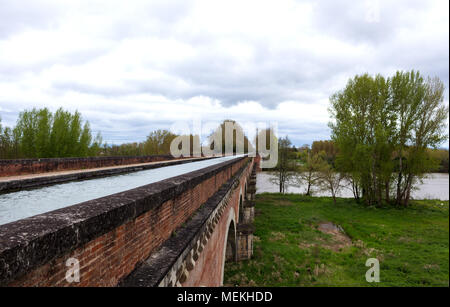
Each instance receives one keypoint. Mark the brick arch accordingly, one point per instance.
(230, 240)
(240, 207)
(245, 189)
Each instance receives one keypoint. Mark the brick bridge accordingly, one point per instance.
(175, 232)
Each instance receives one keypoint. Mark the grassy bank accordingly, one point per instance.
(293, 247)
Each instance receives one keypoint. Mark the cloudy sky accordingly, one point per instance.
(131, 67)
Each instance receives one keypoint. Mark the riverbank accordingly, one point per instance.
(297, 243)
(434, 186)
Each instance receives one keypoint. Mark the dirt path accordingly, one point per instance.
(340, 239)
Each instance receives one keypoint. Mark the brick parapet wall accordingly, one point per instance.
(208, 270)
(11, 185)
(109, 235)
(193, 256)
(33, 166)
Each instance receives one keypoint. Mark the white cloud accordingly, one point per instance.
(131, 67)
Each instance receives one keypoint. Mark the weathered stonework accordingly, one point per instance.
(178, 256)
(44, 165)
(30, 183)
(109, 235)
(175, 232)
(245, 241)
(245, 227)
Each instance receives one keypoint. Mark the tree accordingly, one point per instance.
(158, 142)
(285, 168)
(6, 142)
(85, 141)
(407, 92)
(361, 131)
(309, 170)
(95, 148)
(382, 129)
(44, 123)
(330, 180)
(328, 147)
(26, 129)
(428, 130)
(40, 134)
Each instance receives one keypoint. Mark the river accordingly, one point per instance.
(435, 186)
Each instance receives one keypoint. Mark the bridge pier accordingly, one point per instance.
(245, 227)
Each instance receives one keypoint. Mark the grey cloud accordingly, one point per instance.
(365, 21)
(16, 16)
(273, 74)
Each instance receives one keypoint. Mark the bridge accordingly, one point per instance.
(177, 231)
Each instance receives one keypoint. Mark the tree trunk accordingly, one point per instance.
(407, 193)
(357, 192)
(399, 180)
(387, 191)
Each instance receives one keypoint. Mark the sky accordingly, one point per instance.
(131, 67)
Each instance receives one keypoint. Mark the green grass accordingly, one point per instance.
(411, 244)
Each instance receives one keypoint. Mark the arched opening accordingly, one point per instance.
(230, 251)
(245, 191)
(229, 244)
(241, 209)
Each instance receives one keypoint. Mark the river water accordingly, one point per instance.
(435, 186)
(26, 203)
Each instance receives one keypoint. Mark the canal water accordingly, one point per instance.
(26, 203)
(435, 186)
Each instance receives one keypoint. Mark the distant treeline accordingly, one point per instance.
(329, 150)
(39, 133)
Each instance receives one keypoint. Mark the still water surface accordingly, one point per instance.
(26, 203)
(434, 187)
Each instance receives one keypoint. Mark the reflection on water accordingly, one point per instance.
(22, 204)
(434, 187)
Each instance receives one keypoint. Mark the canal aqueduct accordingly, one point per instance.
(175, 232)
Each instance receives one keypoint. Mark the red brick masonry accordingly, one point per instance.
(33, 166)
(108, 236)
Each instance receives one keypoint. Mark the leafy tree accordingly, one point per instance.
(328, 147)
(85, 141)
(284, 171)
(382, 128)
(428, 130)
(6, 142)
(158, 142)
(40, 134)
(97, 146)
(361, 132)
(26, 130)
(44, 123)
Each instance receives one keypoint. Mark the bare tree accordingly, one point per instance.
(331, 181)
(285, 168)
(309, 171)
